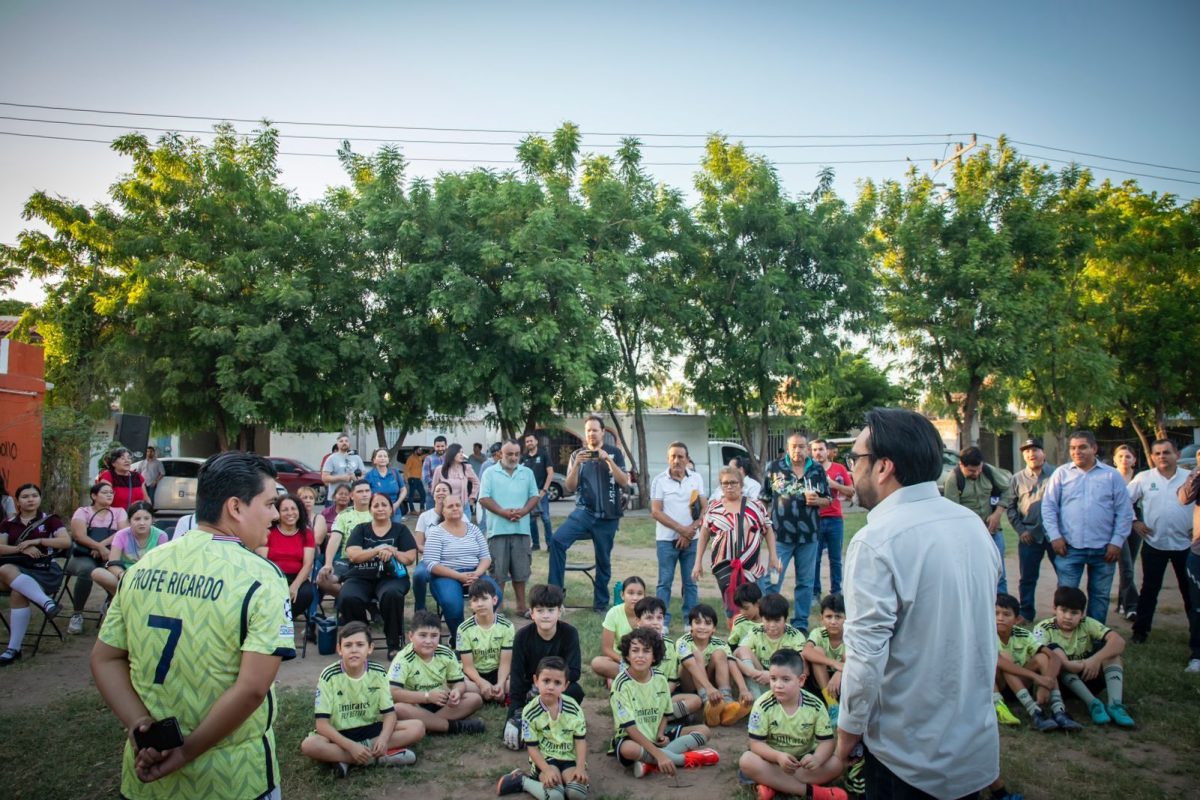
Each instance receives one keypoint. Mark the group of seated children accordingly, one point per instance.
(1068, 649)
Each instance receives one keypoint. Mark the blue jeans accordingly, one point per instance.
(1193, 575)
(1030, 558)
(544, 505)
(830, 538)
(449, 595)
(416, 494)
(420, 583)
(582, 525)
(668, 556)
(804, 554)
(1002, 586)
(1100, 577)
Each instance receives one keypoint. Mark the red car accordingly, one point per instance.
(293, 474)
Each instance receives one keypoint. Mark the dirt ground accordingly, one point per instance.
(58, 666)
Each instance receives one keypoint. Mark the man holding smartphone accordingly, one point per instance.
(196, 635)
(598, 472)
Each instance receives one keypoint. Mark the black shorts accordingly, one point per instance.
(490, 676)
(562, 766)
(432, 708)
(672, 732)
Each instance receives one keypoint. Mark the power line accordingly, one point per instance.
(1095, 155)
(483, 130)
(451, 141)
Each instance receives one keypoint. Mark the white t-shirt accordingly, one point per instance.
(676, 497)
(751, 489)
(185, 524)
(1169, 520)
(426, 520)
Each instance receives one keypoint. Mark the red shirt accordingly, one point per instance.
(287, 552)
(837, 474)
(127, 489)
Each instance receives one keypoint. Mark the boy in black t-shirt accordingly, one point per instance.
(547, 636)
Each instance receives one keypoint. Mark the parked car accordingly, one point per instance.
(294, 473)
(949, 462)
(175, 495)
(1187, 457)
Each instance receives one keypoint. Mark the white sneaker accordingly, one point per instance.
(1193, 666)
(76, 624)
(401, 757)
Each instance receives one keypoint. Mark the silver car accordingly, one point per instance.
(175, 495)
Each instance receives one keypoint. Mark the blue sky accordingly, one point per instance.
(1115, 79)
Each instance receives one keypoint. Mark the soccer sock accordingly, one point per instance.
(1114, 681)
(577, 791)
(30, 588)
(997, 698)
(1077, 687)
(689, 741)
(726, 694)
(1057, 706)
(1027, 700)
(680, 711)
(534, 787)
(18, 620)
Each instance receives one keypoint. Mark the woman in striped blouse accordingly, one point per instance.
(457, 555)
(737, 528)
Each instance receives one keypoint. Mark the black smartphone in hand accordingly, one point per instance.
(162, 735)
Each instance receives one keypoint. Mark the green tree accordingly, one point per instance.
(770, 287)
(957, 274)
(837, 401)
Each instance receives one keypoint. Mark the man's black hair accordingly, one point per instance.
(789, 658)
(1083, 434)
(545, 595)
(909, 441)
(226, 475)
(650, 639)
(1070, 597)
(647, 605)
(747, 593)
(1008, 601)
(437, 439)
(970, 456)
(773, 606)
(834, 603)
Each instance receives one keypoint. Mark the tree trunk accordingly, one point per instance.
(742, 423)
(968, 433)
(1138, 429)
(380, 432)
(639, 426)
(764, 430)
(612, 413)
(246, 438)
(1160, 420)
(222, 432)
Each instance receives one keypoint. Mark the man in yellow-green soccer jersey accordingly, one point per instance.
(197, 632)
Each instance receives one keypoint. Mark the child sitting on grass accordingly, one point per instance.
(705, 669)
(547, 636)
(428, 682)
(356, 723)
(826, 652)
(641, 704)
(746, 597)
(791, 738)
(619, 621)
(774, 633)
(1088, 651)
(1023, 663)
(651, 612)
(555, 733)
(485, 641)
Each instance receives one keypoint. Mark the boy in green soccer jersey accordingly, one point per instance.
(760, 644)
(705, 669)
(1086, 650)
(485, 642)
(651, 612)
(1024, 662)
(641, 704)
(826, 652)
(555, 734)
(791, 738)
(356, 722)
(746, 598)
(330, 576)
(428, 682)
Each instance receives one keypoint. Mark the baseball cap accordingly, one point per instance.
(1032, 442)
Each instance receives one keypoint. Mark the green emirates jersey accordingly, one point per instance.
(686, 647)
(739, 628)
(411, 672)
(553, 736)
(796, 733)
(1020, 647)
(186, 614)
(820, 638)
(355, 707)
(485, 644)
(764, 647)
(639, 704)
(345, 523)
(1077, 644)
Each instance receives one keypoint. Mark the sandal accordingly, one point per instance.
(9, 656)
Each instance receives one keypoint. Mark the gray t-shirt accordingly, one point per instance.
(338, 464)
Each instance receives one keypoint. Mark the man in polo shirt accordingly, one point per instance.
(1166, 531)
(509, 493)
(1087, 514)
(1025, 515)
(537, 458)
(677, 504)
(598, 472)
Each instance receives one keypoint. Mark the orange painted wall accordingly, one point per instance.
(22, 392)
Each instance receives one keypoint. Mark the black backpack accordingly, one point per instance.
(960, 481)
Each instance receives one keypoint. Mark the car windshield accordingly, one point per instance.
(304, 467)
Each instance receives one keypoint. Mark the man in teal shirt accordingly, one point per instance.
(508, 492)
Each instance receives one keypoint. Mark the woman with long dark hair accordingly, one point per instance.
(29, 541)
(380, 552)
(291, 547)
(128, 487)
(458, 473)
(93, 529)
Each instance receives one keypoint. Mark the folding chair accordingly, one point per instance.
(588, 569)
(46, 618)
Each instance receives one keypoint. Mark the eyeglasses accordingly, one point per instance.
(853, 457)
(731, 483)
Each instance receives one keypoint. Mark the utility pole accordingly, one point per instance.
(957, 155)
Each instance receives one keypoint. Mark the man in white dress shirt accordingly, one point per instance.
(920, 591)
